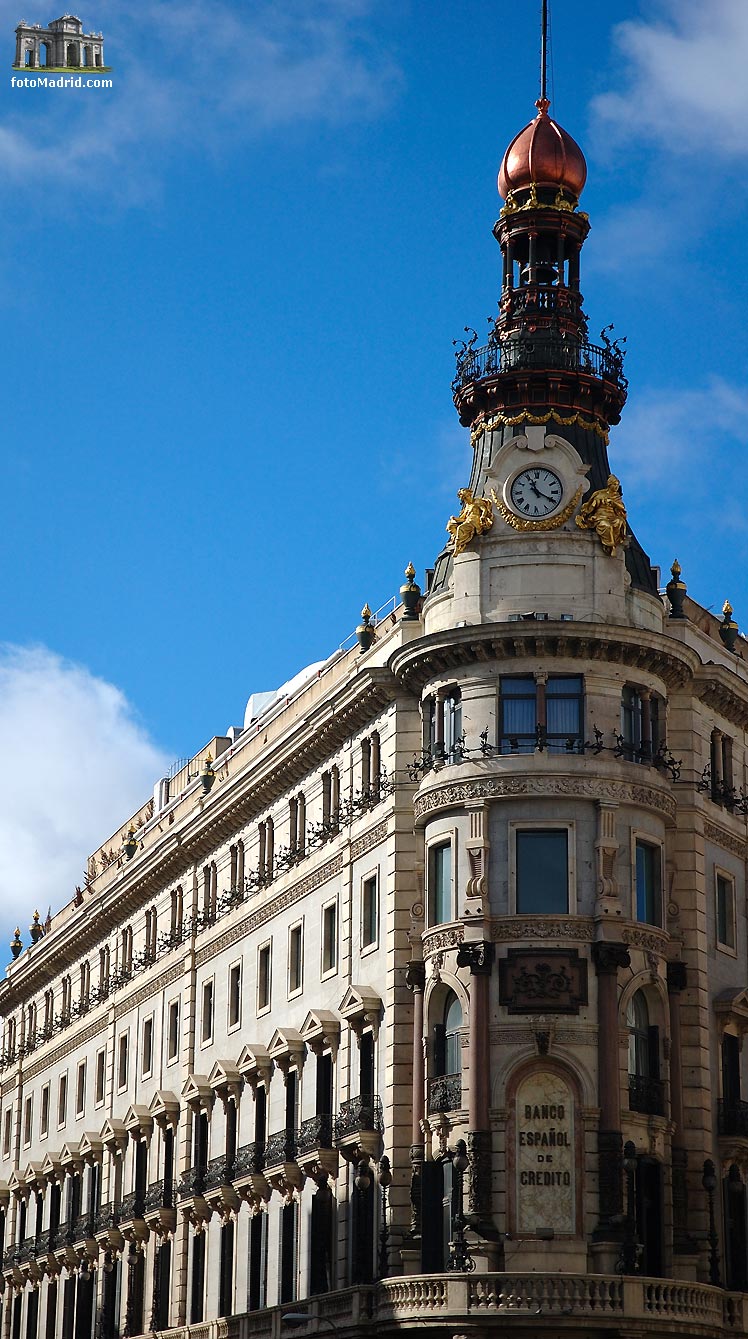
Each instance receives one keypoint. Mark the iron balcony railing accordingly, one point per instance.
(359, 1113)
(192, 1183)
(105, 1217)
(646, 1095)
(250, 1159)
(158, 1196)
(26, 1251)
(83, 1226)
(131, 1207)
(316, 1132)
(281, 1147)
(445, 1093)
(732, 1117)
(220, 1172)
(537, 354)
(46, 1242)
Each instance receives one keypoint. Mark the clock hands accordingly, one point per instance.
(545, 496)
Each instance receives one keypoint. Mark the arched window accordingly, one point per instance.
(445, 1087)
(452, 1025)
(646, 1092)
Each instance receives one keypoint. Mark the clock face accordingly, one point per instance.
(536, 492)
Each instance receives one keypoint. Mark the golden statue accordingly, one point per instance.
(605, 513)
(475, 518)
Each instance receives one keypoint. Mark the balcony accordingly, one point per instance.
(219, 1184)
(646, 1095)
(521, 1304)
(83, 1229)
(106, 1226)
(281, 1167)
(359, 1126)
(249, 1166)
(159, 1209)
(539, 354)
(732, 1118)
(317, 1153)
(191, 1195)
(445, 1093)
(132, 1217)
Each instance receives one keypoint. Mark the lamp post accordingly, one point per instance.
(628, 1258)
(385, 1181)
(459, 1253)
(709, 1182)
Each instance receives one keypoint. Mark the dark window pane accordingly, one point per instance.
(725, 918)
(542, 872)
(648, 884)
(519, 714)
(440, 884)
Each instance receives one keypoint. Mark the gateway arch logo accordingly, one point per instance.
(62, 46)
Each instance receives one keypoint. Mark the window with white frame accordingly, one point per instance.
(44, 1112)
(172, 1047)
(28, 1116)
(235, 994)
(80, 1089)
(264, 975)
(440, 898)
(7, 1131)
(122, 1062)
(100, 1081)
(370, 910)
(295, 959)
(725, 895)
(542, 871)
(146, 1053)
(206, 1028)
(62, 1100)
(329, 938)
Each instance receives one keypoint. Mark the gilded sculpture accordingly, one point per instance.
(475, 518)
(605, 513)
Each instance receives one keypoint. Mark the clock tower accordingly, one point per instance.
(539, 399)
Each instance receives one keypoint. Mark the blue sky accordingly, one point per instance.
(230, 287)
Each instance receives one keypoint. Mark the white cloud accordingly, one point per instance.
(683, 80)
(76, 764)
(196, 75)
(667, 436)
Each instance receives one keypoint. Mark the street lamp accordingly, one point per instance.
(459, 1253)
(709, 1182)
(385, 1181)
(629, 1253)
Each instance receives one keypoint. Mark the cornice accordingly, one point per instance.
(723, 692)
(635, 648)
(592, 785)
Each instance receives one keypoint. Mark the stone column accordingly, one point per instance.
(682, 1243)
(607, 959)
(415, 979)
(478, 956)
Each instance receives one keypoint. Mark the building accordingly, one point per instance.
(419, 1000)
(62, 46)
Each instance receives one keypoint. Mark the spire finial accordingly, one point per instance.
(544, 51)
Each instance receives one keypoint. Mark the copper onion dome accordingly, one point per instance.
(543, 154)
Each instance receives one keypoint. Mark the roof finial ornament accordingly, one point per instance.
(542, 103)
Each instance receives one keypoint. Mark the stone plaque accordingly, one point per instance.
(546, 1192)
(543, 981)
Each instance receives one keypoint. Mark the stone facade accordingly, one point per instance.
(420, 999)
(63, 45)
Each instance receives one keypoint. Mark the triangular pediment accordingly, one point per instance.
(321, 1028)
(32, 1173)
(359, 1000)
(138, 1120)
(197, 1092)
(51, 1165)
(68, 1155)
(90, 1146)
(113, 1134)
(255, 1062)
(732, 1007)
(164, 1107)
(16, 1181)
(225, 1076)
(285, 1040)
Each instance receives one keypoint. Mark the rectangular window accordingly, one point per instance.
(62, 1100)
(235, 994)
(147, 1052)
(440, 883)
(7, 1131)
(44, 1113)
(173, 1039)
(563, 712)
(206, 1031)
(122, 1062)
(329, 938)
(541, 713)
(370, 910)
(518, 714)
(100, 1077)
(725, 911)
(263, 978)
(542, 871)
(28, 1113)
(295, 960)
(648, 883)
(80, 1089)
